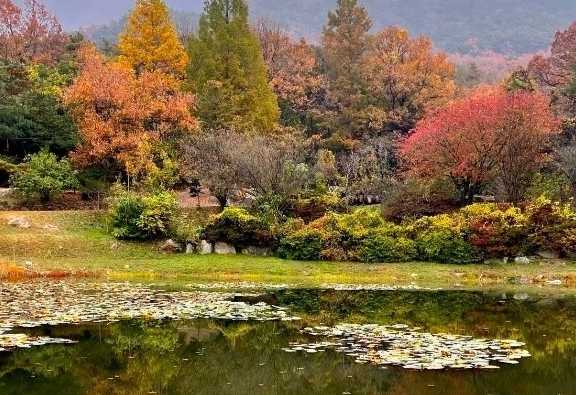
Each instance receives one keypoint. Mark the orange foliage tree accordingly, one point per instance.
(490, 135)
(121, 116)
(293, 70)
(404, 79)
(30, 34)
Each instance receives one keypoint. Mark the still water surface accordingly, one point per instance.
(218, 357)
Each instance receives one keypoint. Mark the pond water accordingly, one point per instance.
(219, 356)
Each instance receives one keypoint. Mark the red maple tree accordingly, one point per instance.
(489, 135)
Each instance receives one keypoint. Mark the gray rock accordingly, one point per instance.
(548, 255)
(19, 222)
(521, 296)
(222, 248)
(522, 260)
(257, 251)
(205, 248)
(190, 248)
(170, 246)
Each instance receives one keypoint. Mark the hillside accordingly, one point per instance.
(511, 27)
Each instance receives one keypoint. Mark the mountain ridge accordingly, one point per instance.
(511, 27)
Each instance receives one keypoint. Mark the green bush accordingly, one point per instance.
(379, 248)
(142, 217)
(303, 245)
(240, 228)
(43, 176)
(445, 247)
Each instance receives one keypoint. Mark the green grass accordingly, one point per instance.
(80, 241)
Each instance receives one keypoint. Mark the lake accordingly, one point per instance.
(220, 356)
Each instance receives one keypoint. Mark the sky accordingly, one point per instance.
(76, 13)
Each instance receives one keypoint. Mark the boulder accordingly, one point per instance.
(19, 222)
(170, 246)
(522, 260)
(257, 251)
(190, 248)
(205, 248)
(222, 248)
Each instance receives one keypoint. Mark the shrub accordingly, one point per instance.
(445, 247)
(240, 228)
(551, 227)
(418, 198)
(142, 217)
(157, 215)
(316, 206)
(42, 175)
(498, 230)
(303, 245)
(6, 170)
(381, 248)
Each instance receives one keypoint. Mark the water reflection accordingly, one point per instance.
(209, 357)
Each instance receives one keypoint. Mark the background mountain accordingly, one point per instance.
(511, 27)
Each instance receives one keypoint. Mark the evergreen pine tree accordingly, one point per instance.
(228, 72)
(150, 40)
(345, 40)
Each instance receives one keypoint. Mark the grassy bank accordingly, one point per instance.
(78, 241)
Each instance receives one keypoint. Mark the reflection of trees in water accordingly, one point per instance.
(202, 357)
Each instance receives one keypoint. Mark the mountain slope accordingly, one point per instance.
(507, 26)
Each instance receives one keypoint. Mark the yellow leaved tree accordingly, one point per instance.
(150, 41)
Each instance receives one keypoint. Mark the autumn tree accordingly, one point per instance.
(344, 42)
(228, 72)
(294, 73)
(404, 79)
(31, 34)
(150, 40)
(488, 136)
(122, 116)
(554, 73)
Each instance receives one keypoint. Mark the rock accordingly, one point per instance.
(49, 227)
(205, 248)
(19, 222)
(257, 251)
(522, 260)
(554, 282)
(190, 248)
(521, 296)
(548, 255)
(170, 246)
(222, 248)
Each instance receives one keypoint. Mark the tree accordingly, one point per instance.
(489, 135)
(555, 72)
(150, 40)
(567, 163)
(201, 154)
(404, 79)
(30, 35)
(270, 168)
(228, 72)
(44, 175)
(122, 117)
(294, 73)
(32, 116)
(344, 42)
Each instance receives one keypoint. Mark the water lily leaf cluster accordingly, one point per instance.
(409, 348)
(65, 303)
